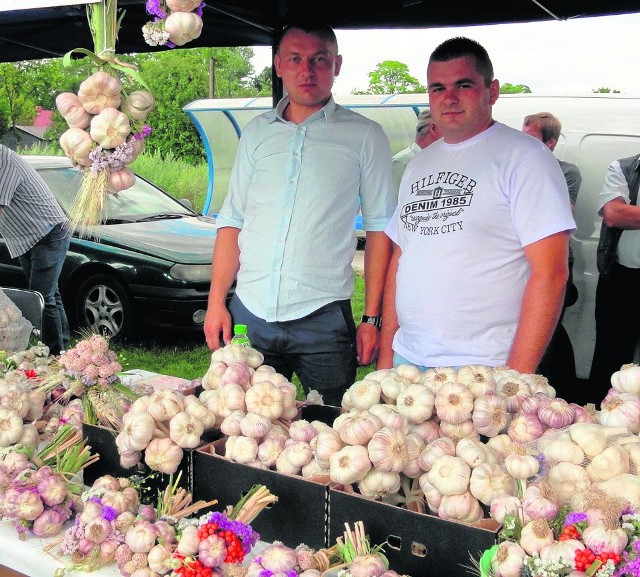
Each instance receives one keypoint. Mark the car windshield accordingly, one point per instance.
(142, 201)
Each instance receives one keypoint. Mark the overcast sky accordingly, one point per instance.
(569, 57)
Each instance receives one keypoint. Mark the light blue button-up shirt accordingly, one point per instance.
(294, 193)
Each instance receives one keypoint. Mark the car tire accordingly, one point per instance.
(103, 306)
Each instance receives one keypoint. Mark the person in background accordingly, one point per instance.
(558, 362)
(478, 271)
(617, 315)
(426, 133)
(286, 227)
(36, 231)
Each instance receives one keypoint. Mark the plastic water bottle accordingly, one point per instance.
(240, 336)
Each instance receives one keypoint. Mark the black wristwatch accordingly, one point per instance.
(375, 321)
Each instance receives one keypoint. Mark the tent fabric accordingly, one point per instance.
(33, 34)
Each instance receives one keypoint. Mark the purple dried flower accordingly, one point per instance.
(574, 519)
(200, 9)
(154, 7)
(109, 513)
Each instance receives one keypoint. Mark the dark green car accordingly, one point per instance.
(147, 265)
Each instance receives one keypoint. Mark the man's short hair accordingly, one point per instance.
(319, 29)
(550, 126)
(461, 46)
(424, 119)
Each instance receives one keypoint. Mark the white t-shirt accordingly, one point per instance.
(465, 211)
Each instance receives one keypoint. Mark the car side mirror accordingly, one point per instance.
(186, 202)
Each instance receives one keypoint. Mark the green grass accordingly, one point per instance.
(191, 360)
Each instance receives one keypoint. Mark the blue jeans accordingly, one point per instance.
(42, 264)
(320, 348)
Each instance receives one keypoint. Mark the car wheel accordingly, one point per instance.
(103, 306)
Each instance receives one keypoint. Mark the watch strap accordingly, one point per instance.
(375, 321)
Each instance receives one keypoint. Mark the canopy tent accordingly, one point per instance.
(37, 33)
(220, 122)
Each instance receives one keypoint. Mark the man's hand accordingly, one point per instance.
(367, 343)
(217, 327)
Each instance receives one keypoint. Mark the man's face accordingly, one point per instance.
(307, 66)
(533, 129)
(459, 101)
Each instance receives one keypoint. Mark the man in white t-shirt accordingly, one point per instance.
(480, 233)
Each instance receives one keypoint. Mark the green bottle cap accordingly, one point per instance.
(240, 329)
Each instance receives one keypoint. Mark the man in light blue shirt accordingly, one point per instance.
(286, 228)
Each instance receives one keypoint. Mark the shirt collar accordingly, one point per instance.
(326, 111)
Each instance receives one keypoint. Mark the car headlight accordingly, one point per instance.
(191, 272)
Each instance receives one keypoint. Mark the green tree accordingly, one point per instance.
(16, 105)
(392, 77)
(507, 88)
(603, 90)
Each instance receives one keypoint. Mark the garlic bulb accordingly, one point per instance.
(459, 431)
(626, 380)
(163, 455)
(503, 506)
(254, 425)
(110, 128)
(590, 437)
(539, 385)
(378, 484)
(302, 430)
(621, 410)
(562, 448)
(183, 27)
(434, 449)
(349, 464)
(270, 449)
(299, 453)
(436, 377)
(613, 461)
(472, 451)
(99, 91)
(137, 430)
(231, 397)
(431, 494)
(513, 390)
(568, 479)
(556, 413)
(488, 482)
(535, 535)
(427, 430)
(416, 403)
(326, 443)
(489, 415)
(478, 379)
(390, 417)
(388, 450)
(364, 394)
(508, 560)
(541, 501)
(241, 449)
(359, 427)
(77, 144)
(165, 404)
(415, 445)
(521, 466)
(605, 535)
(525, 428)
(463, 507)
(230, 425)
(185, 430)
(266, 399)
(450, 475)
(454, 403)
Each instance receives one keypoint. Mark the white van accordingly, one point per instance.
(596, 129)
